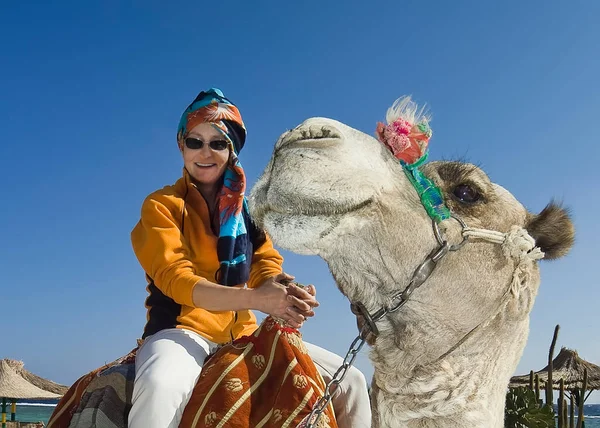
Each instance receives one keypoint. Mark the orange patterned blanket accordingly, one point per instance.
(263, 380)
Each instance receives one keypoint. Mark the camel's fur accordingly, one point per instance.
(336, 192)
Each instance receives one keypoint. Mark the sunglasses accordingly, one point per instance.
(196, 144)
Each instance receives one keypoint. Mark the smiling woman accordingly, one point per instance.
(208, 265)
(205, 156)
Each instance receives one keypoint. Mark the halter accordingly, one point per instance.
(517, 244)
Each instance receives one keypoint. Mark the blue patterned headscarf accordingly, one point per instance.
(234, 246)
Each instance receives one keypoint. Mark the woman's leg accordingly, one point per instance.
(167, 367)
(351, 399)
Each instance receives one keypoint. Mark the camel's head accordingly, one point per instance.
(334, 191)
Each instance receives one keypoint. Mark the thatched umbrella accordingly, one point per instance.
(40, 382)
(569, 366)
(14, 386)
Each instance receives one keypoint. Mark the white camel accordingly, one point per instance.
(445, 357)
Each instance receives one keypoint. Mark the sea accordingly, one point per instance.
(36, 411)
(33, 411)
(592, 415)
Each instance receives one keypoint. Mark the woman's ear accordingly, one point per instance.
(553, 230)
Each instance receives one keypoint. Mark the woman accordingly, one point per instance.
(199, 247)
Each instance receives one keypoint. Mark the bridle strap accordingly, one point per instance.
(517, 244)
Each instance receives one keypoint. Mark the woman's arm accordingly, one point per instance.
(165, 256)
(272, 297)
(162, 250)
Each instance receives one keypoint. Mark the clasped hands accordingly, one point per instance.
(289, 302)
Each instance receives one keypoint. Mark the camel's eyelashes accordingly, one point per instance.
(466, 193)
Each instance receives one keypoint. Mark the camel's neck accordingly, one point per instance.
(466, 388)
(421, 378)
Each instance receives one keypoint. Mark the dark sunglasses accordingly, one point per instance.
(196, 144)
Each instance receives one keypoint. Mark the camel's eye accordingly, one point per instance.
(466, 193)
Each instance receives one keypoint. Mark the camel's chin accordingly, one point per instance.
(301, 234)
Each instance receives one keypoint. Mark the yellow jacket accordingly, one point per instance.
(176, 247)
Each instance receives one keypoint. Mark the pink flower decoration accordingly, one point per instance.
(401, 126)
(407, 142)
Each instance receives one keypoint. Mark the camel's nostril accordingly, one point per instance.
(306, 133)
(315, 132)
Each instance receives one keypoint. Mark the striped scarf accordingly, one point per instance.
(234, 246)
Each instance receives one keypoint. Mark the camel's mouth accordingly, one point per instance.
(297, 182)
(303, 225)
(308, 209)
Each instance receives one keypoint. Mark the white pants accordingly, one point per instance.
(169, 362)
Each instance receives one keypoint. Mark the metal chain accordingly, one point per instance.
(420, 275)
(335, 381)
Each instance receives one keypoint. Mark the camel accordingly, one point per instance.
(445, 357)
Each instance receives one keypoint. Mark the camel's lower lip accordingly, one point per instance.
(307, 211)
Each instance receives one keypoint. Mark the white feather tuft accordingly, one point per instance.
(405, 108)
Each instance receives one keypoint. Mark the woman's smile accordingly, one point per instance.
(205, 165)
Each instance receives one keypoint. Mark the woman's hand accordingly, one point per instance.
(292, 303)
(303, 299)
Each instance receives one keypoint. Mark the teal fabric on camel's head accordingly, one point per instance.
(407, 136)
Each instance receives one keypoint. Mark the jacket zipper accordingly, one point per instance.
(235, 317)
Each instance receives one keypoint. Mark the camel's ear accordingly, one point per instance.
(552, 230)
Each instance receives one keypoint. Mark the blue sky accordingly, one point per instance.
(91, 94)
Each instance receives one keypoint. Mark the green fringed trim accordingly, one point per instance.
(429, 193)
(424, 128)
